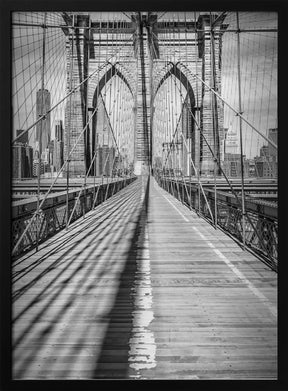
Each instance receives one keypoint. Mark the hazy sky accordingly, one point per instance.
(258, 65)
(258, 70)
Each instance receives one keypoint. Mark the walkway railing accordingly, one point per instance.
(261, 223)
(52, 215)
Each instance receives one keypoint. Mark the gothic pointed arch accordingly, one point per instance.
(112, 71)
(188, 105)
(174, 70)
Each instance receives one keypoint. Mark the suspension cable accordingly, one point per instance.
(100, 67)
(51, 186)
(168, 152)
(39, 136)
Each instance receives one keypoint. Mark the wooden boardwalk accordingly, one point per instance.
(142, 288)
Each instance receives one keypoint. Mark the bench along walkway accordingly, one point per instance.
(142, 288)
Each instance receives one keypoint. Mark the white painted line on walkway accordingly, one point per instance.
(239, 274)
(175, 207)
(142, 352)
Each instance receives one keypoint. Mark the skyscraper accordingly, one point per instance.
(59, 130)
(264, 151)
(231, 142)
(18, 153)
(273, 136)
(43, 130)
(266, 165)
(22, 160)
(24, 138)
(58, 147)
(104, 160)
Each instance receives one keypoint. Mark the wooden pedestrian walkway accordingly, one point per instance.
(142, 288)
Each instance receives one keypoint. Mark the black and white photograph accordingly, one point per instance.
(144, 194)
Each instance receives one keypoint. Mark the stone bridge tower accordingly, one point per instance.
(196, 51)
(141, 77)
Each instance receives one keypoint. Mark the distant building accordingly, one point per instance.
(45, 156)
(168, 157)
(58, 146)
(18, 154)
(265, 168)
(273, 136)
(36, 167)
(104, 160)
(186, 119)
(185, 158)
(177, 158)
(264, 151)
(117, 166)
(43, 128)
(232, 165)
(223, 144)
(58, 154)
(59, 132)
(266, 164)
(268, 150)
(191, 135)
(24, 138)
(22, 166)
(251, 168)
(231, 142)
(51, 151)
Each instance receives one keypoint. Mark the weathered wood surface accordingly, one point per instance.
(126, 294)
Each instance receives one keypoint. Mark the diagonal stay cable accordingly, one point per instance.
(224, 101)
(98, 69)
(52, 184)
(190, 158)
(232, 108)
(222, 171)
(91, 163)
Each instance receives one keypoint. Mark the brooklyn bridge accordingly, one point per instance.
(144, 195)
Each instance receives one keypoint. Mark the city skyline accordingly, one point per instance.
(260, 106)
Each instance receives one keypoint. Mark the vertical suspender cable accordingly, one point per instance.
(69, 122)
(188, 165)
(105, 111)
(180, 158)
(171, 145)
(95, 130)
(240, 128)
(197, 162)
(86, 108)
(214, 114)
(151, 62)
(174, 114)
(168, 114)
(38, 224)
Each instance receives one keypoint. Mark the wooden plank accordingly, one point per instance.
(121, 285)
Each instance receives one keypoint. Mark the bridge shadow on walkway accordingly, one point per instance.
(120, 296)
(115, 347)
(64, 293)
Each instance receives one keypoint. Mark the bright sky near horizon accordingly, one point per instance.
(258, 66)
